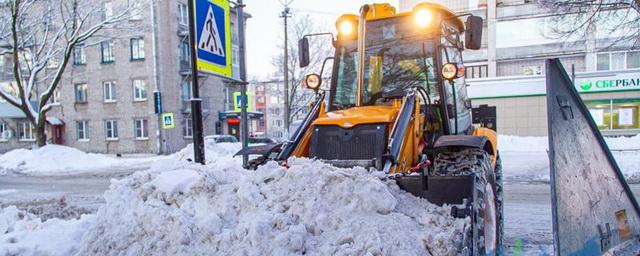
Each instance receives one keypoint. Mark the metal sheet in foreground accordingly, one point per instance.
(594, 211)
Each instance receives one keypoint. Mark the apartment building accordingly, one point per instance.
(105, 102)
(508, 72)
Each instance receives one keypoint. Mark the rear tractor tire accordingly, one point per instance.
(483, 236)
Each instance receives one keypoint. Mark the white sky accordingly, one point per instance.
(265, 28)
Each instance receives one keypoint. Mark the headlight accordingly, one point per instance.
(449, 71)
(423, 18)
(346, 28)
(313, 81)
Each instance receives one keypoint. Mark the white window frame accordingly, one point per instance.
(137, 92)
(187, 131)
(3, 128)
(107, 11)
(141, 125)
(112, 92)
(183, 14)
(610, 54)
(26, 129)
(136, 14)
(55, 97)
(111, 133)
(137, 48)
(82, 125)
(626, 59)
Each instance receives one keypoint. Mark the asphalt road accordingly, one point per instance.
(527, 206)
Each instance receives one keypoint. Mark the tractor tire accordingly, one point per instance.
(500, 197)
(483, 236)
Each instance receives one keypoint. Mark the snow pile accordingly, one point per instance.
(214, 152)
(311, 208)
(59, 160)
(22, 233)
(525, 159)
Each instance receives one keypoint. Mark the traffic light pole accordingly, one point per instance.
(196, 101)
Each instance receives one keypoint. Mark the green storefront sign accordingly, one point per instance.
(603, 85)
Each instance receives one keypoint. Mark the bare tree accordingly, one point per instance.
(41, 35)
(319, 48)
(580, 19)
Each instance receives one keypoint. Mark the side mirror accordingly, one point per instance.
(473, 33)
(303, 52)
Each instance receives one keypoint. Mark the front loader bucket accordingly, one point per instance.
(594, 211)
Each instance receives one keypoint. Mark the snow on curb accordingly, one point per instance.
(310, 208)
(62, 160)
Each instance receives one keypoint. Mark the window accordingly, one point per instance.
(615, 114)
(26, 131)
(111, 129)
(278, 123)
(82, 130)
(186, 90)
(140, 128)
(532, 70)
(187, 128)
(137, 49)
(79, 55)
(81, 93)
(183, 14)
(633, 60)
(107, 11)
(135, 9)
(617, 61)
(4, 133)
(109, 91)
(184, 52)
(55, 97)
(235, 55)
(603, 61)
(139, 90)
(107, 52)
(478, 71)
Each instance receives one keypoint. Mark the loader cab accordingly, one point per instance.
(400, 52)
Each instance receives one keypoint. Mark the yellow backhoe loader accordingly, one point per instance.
(397, 102)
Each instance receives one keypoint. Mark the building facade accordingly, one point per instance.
(508, 71)
(105, 102)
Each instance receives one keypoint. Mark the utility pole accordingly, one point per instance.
(285, 15)
(196, 101)
(244, 130)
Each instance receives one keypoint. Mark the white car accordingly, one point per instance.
(221, 139)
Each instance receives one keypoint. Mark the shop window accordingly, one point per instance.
(617, 114)
(600, 112)
(626, 113)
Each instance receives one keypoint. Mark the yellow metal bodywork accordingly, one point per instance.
(388, 113)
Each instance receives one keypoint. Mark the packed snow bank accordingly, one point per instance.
(311, 208)
(214, 152)
(62, 160)
(528, 144)
(524, 159)
(24, 234)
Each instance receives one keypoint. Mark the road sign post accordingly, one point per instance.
(210, 39)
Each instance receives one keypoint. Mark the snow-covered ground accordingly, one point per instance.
(62, 160)
(525, 158)
(177, 207)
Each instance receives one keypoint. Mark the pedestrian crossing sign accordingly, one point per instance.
(213, 37)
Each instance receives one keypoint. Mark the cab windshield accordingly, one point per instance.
(396, 59)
